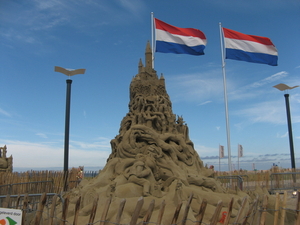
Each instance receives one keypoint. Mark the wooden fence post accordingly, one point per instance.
(40, 209)
(24, 210)
(65, 211)
(264, 210)
(283, 209)
(137, 210)
(255, 210)
(50, 222)
(149, 212)
(201, 212)
(252, 208)
(94, 209)
(161, 212)
(229, 212)
(77, 207)
(6, 202)
(297, 222)
(18, 201)
(239, 215)
(176, 214)
(105, 210)
(120, 211)
(276, 209)
(215, 217)
(187, 208)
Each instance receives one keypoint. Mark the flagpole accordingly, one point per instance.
(238, 158)
(152, 39)
(226, 102)
(219, 158)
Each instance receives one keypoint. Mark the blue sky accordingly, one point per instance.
(108, 38)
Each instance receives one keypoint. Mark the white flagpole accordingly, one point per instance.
(152, 38)
(226, 102)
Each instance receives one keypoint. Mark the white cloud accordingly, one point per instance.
(272, 78)
(34, 155)
(3, 112)
(283, 135)
(26, 22)
(133, 6)
(41, 135)
(270, 111)
(204, 103)
(104, 144)
(255, 89)
(196, 87)
(203, 150)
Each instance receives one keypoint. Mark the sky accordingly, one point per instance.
(108, 38)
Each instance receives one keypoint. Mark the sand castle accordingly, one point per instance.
(153, 156)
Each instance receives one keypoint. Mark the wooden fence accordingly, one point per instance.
(33, 182)
(44, 212)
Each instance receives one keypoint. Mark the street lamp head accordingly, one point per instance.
(68, 72)
(283, 87)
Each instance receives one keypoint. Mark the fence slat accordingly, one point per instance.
(187, 208)
(65, 211)
(161, 212)
(77, 207)
(276, 209)
(39, 212)
(249, 213)
(137, 210)
(25, 204)
(229, 211)
(283, 208)
(297, 209)
(120, 211)
(240, 213)
(215, 216)
(255, 211)
(105, 210)
(264, 210)
(201, 212)
(50, 222)
(18, 201)
(94, 209)
(176, 214)
(149, 212)
(6, 202)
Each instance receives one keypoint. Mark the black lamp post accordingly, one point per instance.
(69, 73)
(284, 87)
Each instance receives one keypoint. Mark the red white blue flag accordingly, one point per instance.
(171, 39)
(249, 48)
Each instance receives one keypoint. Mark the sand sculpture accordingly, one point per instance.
(6, 163)
(152, 156)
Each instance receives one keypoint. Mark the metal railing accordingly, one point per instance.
(27, 187)
(231, 181)
(16, 201)
(284, 181)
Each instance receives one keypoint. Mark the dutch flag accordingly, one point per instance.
(249, 48)
(171, 39)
